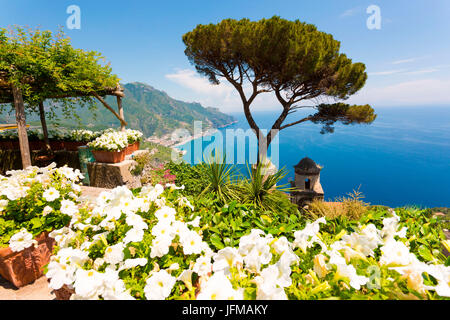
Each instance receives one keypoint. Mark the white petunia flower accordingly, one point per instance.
(186, 277)
(160, 247)
(60, 274)
(225, 259)
(202, 266)
(159, 285)
(69, 208)
(195, 223)
(133, 235)
(259, 255)
(246, 243)
(163, 229)
(396, 253)
(307, 237)
(47, 210)
(132, 263)
(21, 240)
(349, 272)
(51, 194)
(191, 242)
(184, 202)
(88, 283)
(136, 221)
(218, 287)
(114, 254)
(3, 204)
(179, 228)
(166, 214)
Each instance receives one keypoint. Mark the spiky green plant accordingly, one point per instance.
(221, 179)
(261, 187)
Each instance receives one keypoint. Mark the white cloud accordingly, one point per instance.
(223, 96)
(409, 60)
(404, 61)
(423, 71)
(349, 12)
(386, 73)
(416, 92)
(409, 71)
(190, 79)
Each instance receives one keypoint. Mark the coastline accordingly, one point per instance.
(166, 140)
(194, 137)
(208, 132)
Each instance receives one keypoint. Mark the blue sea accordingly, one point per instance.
(403, 158)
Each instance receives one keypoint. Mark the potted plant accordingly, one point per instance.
(33, 202)
(134, 140)
(78, 138)
(109, 147)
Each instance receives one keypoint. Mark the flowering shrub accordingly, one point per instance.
(78, 135)
(36, 200)
(133, 135)
(154, 244)
(158, 175)
(82, 135)
(110, 141)
(33, 134)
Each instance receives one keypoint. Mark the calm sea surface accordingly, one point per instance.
(403, 158)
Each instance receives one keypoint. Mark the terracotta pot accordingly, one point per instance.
(64, 293)
(73, 145)
(109, 156)
(24, 267)
(132, 148)
(56, 145)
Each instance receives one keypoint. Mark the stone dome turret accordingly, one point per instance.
(307, 166)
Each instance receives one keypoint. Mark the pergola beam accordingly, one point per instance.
(122, 121)
(119, 105)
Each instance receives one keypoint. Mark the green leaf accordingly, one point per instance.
(36, 222)
(216, 241)
(425, 253)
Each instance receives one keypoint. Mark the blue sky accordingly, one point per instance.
(407, 59)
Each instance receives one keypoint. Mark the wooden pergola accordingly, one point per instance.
(12, 94)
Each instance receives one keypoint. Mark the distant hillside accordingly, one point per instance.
(147, 109)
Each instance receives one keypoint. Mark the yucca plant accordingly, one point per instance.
(221, 179)
(261, 187)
